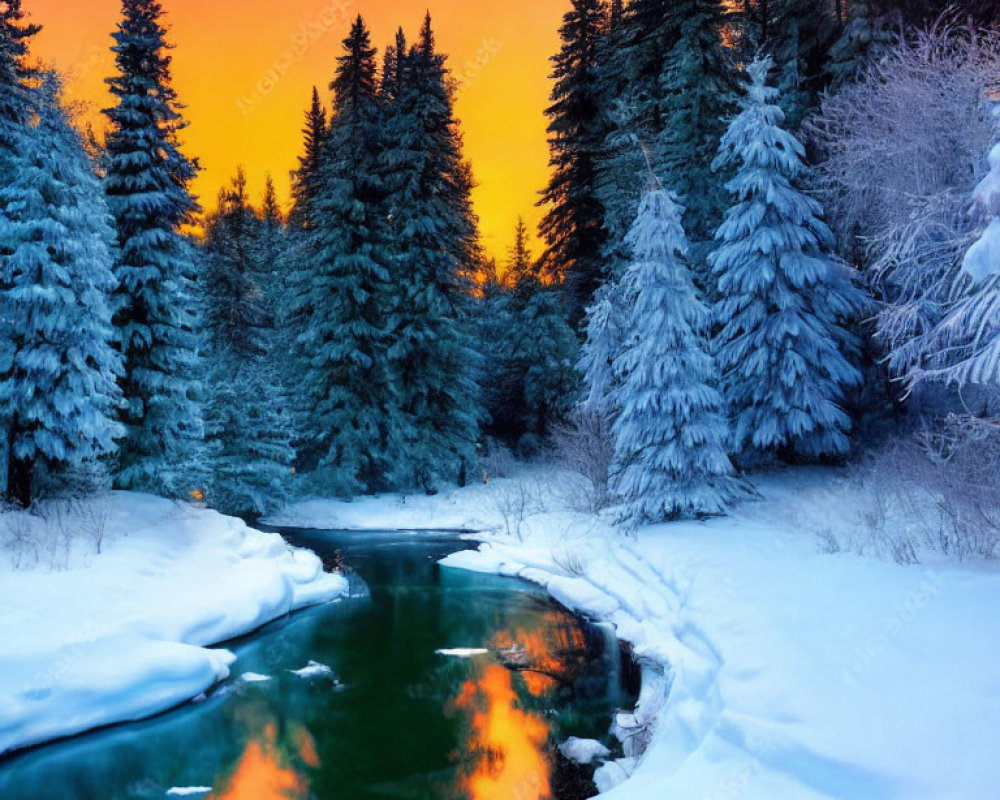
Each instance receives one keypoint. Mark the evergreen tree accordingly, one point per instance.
(354, 417)
(607, 327)
(523, 273)
(631, 57)
(696, 93)
(545, 353)
(433, 233)
(15, 34)
(57, 381)
(573, 225)
(247, 421)
(306, 179)
(785, 298)
(155, 316)
(800, 35)
(670, 435)
(270, 241)
(871, 28)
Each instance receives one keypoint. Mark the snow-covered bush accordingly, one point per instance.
(901, 151)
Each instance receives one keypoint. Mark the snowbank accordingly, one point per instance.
(770, 669)
(123, 635)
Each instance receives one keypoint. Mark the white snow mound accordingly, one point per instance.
(125, 634)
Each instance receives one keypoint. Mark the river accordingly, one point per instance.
(381, 714)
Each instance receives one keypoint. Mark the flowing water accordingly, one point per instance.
(391, 719)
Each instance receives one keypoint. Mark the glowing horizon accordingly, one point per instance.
(244, 70)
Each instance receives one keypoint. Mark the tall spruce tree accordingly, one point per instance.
(783, 346)
(573, 224)
(155, 315)
(15, 111)
(545, 352)
(630, 62)
(15, 35)
(800, 36)
(670, 434)
(432, 354)
(305, 179)
(58, 387)
(697, 90)
(354, 420)
(247, 421)
(870, 29)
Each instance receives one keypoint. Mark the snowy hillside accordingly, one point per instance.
(772, 669)
(125, 634)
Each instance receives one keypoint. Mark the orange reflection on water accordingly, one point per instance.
(543, 653)
(264, 773)
(506, 741)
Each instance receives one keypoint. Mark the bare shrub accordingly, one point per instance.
(44, 536)
(94, 514)
(585, 446)
(18, 539)
(938, 490)
(570, 561)
(515, 501)
(498, 462)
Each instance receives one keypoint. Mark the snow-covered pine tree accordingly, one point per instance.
(573, 224)
(433, 231)
(354, 419)
(785, 298)
(670, 435)
(697, 90)
(608, 320)
(155, 313)
(58, 387)
(247, 423)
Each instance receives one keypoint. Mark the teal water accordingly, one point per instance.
(394, 720)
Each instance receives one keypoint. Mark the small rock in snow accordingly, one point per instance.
(462, 652)
(313, 670)
(583, 751)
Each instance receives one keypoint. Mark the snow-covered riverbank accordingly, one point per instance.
(772, 669)
(125, 634)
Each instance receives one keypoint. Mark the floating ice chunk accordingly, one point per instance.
(462, 652)
(254, 677)
(313, 670)
(583, 751)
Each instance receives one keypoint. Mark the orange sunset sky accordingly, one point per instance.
(227, 51)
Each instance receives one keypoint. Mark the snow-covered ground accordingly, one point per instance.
(771, 669)
(125, 634)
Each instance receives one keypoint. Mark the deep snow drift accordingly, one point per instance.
(771, 669)
(124, 634)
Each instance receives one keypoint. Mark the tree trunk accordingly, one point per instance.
(19, 473)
